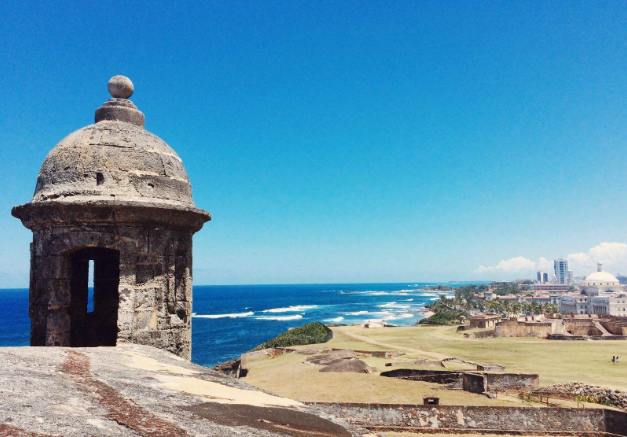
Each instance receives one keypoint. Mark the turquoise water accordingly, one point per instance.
(229, 320)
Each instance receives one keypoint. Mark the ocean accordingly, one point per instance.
(230, 320)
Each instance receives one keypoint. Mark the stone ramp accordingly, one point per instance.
(600, 327)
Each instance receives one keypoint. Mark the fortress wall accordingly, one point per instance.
(474, 383)
(495, 382)
(526, 419)
(512, 381)
(514, 328)
(616, 327)
(433, 376)
(581, 327)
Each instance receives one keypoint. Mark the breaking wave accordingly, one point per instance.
(291, 309)
(357, 313)
(280, 318)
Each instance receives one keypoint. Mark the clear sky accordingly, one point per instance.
(345, 141)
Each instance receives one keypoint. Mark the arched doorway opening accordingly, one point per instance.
(98, 324)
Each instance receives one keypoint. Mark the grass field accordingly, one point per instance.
(554, 361)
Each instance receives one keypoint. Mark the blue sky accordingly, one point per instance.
(344, 141)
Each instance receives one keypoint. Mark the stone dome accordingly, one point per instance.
(601, 278)
(114, 159)
(115, 168)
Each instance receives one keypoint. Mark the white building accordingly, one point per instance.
(601, 294)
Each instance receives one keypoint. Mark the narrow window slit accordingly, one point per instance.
(99, 178)
(90, 288)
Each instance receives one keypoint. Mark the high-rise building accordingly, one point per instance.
(542, 277)
(561, 270)
(570, 277)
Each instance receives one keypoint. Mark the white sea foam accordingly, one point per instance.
(280, 318)
(409, 300)
(335, 320)
(356, 313)
(223, 316)
(292, 309)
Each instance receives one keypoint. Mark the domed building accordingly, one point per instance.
(118, 197)
(601, 294)
(600, 282)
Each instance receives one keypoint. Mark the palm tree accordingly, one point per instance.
(516, 308)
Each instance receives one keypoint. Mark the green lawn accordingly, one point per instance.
(555, 361)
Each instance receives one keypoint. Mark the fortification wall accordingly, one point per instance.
(496, 382)
(616, 327)
(412, 417)
(474, 383)
(514, 328)
(434, 376)
(581, 327)
(512, 381)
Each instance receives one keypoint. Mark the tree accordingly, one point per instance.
(516, 308)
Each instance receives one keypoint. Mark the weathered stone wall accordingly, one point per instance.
(390, 416)
(474, 383)
(155, 283)
(581, 327)
(514, 328)
(512, 381)
(496, 382)
(454, 379)
(616, 327)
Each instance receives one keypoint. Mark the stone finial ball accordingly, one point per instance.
(120, 87)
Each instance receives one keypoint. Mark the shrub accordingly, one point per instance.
(310, 333)
(443, 315)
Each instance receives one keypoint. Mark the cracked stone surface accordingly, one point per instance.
(134, 390)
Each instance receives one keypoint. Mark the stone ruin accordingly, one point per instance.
(116, 195)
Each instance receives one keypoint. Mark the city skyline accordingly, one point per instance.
(346, 142)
